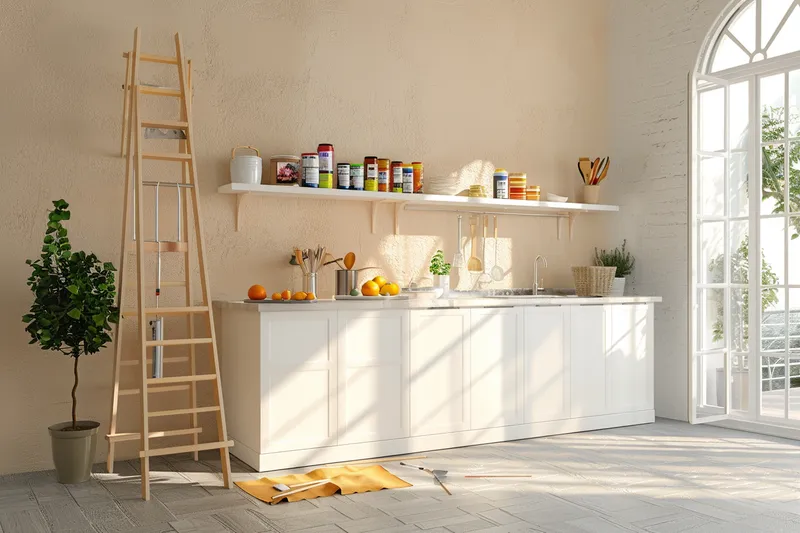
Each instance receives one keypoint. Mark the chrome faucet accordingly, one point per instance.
(536, 287)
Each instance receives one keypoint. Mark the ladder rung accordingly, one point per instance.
(181, 379)
(121, 437)
(160, 91)
(153, 390)
(165, 124)
(187, 411)
(188, 448)
(166, 310)
(135, 362)
(178, 342)
(152, 58)
(162, 246)
(166, 156)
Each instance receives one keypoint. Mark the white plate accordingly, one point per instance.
(376, 298)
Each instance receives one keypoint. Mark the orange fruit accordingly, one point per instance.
(276, 296)
(392, 288)
(257, 292)
(286, 295)
(299, 295)
(370, 288)
(380, 281)
(311, 296)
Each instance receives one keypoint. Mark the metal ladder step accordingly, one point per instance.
(166, 311)
(178, 342)
(188, 448)
(122, 437)
(181, 379)
(153, 390)
(187, 411)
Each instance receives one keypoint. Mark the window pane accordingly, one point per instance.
(740, 251)
(712, 252)
(740, 383)
(711, 311)
(773, 385)
(787, 42)
(740, 115)
(739, 197)
(712, 120)
(711, 181)
(794, 388)
(794, 103)
(794, 178)
(773, 321)
(794, 251)
(772, 12)
(794, 322)
(773, 91)
(744, 27)
(728, 55)
(711, 393)
(772, 247)
(739, 330)
(772, 179)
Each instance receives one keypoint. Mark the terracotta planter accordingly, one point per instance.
(73, 451)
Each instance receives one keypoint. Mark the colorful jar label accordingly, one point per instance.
(501, 188)
(383, 177)
(343, 174)
(311, 176)
(326, 180)
(357, 178)
(326, 161)
(408, 180)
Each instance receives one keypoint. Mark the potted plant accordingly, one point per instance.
(441, 272)
(620, 258)
(72, 312)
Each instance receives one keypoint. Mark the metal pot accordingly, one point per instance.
(346, 281)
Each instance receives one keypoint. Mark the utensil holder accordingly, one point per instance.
(310, 282)
(346, 281)
(591, 194)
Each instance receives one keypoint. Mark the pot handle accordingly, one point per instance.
(258, 154)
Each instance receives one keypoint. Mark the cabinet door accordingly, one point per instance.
(587, 361)
(629, 370)
(298, 352)
(496, 367)
(439, 379)
(373, 375)
(547, 363)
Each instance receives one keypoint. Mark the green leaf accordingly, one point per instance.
(74, 313)
(99, 319)
(27, 318)
(60, 204)
(109, 266)
(73, 289)
(48, 239)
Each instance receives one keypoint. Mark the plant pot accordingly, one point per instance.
(442, 283)
(618, 287)
(73, 451)
(591, 194)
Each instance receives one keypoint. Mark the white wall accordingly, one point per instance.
(653, 45)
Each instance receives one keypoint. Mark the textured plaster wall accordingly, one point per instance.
(461, 85)
(654, 44)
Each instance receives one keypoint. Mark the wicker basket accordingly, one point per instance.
(593, 280)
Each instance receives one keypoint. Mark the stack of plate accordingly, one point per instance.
(477, 191)
(534, 192)
(516, 185)
(444, 185)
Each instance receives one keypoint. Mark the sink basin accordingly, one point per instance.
(513, 293)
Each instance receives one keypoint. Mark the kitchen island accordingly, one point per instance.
(331, 381)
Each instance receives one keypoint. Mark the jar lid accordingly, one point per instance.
(343, 164)
(309, 154)
(356, 164)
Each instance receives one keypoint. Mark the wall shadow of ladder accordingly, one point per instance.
(134, 130)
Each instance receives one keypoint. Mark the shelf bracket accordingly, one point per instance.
(572, 217)
(397, 207)
(374, 216)
(239, 199)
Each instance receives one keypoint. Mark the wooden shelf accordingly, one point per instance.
(421, 202)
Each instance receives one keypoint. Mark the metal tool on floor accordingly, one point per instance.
(300, 487)
(437, 474)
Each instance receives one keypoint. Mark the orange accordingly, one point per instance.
(393, 289)
(286, 295)
(380, 281)
(276, 296)
(370, 288)
(299, 295)
(257, 292)
(311, 296)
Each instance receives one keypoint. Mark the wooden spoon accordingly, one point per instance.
(474, 264)
(497, 270)
(349, 260)
(585, 166)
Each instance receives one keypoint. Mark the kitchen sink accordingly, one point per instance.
(513, 293)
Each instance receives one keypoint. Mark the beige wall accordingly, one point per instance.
(460, 85)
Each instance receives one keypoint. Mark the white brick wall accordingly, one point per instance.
(654, 45)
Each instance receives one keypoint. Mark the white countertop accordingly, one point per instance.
(386, 302)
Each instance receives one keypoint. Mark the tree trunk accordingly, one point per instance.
(74, 399)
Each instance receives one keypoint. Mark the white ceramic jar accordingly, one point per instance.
(246, 168)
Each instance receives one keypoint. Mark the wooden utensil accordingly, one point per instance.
(604, 172)
(585, 166)
(298, 255)
(349, 260)
(595, 167)
(497, 270)
(474, 264)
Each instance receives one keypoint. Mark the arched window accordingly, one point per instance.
(745, 217)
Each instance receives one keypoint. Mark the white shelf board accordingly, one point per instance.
(418, 202)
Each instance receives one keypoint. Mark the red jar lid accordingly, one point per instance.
(325, 145)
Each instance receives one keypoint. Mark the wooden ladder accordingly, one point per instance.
(188, 194)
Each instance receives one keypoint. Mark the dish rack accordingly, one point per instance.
(593, 280)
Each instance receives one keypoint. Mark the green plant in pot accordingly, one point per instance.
(72, 312)
(441, 271)
(621, 258)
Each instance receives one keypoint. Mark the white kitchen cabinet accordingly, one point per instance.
(629, 371)
(439, 371)
(587, 361)
(298, 374)
(496, 367)
(373, 375)
(546, 356)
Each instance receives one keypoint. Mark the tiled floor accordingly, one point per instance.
(660, 478)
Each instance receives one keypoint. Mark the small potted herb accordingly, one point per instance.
(72, 312)
(441, 272)
(621, 258)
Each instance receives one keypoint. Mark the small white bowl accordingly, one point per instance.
(556, 198)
